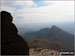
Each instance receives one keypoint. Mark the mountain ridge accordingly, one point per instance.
(53, 38)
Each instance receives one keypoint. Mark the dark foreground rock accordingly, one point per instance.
(11, 42)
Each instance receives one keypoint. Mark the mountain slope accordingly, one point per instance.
(52, 38)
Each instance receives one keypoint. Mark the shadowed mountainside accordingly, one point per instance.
(51, 38)
(11, 42)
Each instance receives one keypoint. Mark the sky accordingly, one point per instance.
(39, 11)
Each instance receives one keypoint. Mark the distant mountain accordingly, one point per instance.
(51, 38)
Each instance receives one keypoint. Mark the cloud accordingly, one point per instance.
(58, 11)
(6, 8)
(47, 2)
(41, 3)
(18, 4)
(14, 5)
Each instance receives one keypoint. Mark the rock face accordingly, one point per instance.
(11, 42)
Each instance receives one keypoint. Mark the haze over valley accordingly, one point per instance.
(69, 27)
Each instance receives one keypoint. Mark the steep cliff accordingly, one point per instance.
(11, 42)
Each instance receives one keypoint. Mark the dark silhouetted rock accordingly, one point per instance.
(11, 42)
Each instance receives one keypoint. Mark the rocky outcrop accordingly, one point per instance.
(11, 42)
(43, 52)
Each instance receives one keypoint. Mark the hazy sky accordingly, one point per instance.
(39, 11)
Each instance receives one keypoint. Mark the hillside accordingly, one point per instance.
(51, 38)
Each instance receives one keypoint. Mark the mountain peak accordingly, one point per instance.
(54, 27)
